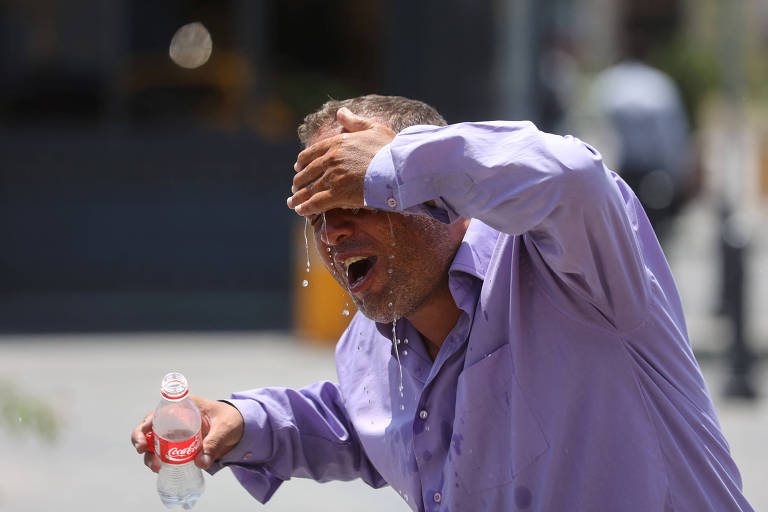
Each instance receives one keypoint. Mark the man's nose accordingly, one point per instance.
(335, 227)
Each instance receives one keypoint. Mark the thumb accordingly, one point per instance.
(352, 122)
(213, 449)
(225, 429)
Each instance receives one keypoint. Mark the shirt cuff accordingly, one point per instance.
(380, 187)
(245, 458)
(259, 482)
(254, 447)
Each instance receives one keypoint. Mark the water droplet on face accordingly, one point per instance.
(402, 407)
(305, 283)
(307, 269)
(345, 312)
(405, 352)
(391, 256)
(390, 304)
(406, 341)
(329, 249)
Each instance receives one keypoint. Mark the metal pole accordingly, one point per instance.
(516, 42)
(734, 236)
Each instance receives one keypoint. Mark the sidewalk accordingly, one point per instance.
(693, 254)
(101, 385)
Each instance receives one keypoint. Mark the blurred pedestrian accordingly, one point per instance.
(644, 110)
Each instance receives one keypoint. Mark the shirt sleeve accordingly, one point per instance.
(295, 433)
(552, 190)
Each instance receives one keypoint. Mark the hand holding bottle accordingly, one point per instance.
(222, 429)
(179, 432)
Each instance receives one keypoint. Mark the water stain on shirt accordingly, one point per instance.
(523, 497)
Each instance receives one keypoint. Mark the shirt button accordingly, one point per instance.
(423, 414)
(392, 202)
(437, 497)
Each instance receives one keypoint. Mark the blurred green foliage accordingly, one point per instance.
(694, 67)
(26, 414)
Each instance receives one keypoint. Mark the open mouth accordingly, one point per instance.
(358, 268)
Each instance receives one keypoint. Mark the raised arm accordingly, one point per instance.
(554, 191)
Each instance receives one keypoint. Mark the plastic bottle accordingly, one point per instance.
(176, 439)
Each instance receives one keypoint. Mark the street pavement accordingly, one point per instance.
(100, 385)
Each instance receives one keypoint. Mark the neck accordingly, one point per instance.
(435, 318)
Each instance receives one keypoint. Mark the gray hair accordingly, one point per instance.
(397, 112)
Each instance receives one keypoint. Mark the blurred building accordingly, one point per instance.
(139, 195)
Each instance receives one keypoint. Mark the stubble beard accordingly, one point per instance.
(414, 278)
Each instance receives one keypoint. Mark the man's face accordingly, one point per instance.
(389, 263)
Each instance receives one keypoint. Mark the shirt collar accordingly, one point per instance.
(475, 250)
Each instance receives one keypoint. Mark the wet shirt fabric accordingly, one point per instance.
(568, 382)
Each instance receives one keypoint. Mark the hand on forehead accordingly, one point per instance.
(330, 173)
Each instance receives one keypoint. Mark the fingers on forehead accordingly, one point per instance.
(317, 203)
(306, 176)
(315, 150)
(301, 195)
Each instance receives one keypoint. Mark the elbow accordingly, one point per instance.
(586, 178)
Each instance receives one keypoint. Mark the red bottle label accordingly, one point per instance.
(178, 452)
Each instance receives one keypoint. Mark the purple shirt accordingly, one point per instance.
(568, 383)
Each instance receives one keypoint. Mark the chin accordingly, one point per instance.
(380, 314)
(382, 317)
(383, 314)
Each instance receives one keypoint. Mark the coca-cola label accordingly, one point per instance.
(178, 452)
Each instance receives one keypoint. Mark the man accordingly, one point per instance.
(520, 346)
